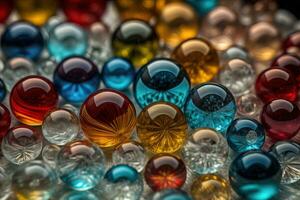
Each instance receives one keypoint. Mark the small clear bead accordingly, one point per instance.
(249, 105)
(46, 68)
(49, 154)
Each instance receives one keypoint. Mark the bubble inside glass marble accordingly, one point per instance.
(171, 194)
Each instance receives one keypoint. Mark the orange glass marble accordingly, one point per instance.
(107, 118)
(162, 128)
(199, 58)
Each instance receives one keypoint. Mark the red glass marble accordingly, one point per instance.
(289, 62)
(32, 98)
(6, 7)
(276, 83)
(292, 43)
(83, 12)
(5, 120)
(164, 171)
(281, 119)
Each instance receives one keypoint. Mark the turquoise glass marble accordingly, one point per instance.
(161, 80)
(118, 73)
(210, 105)
(203, 6)
(2, 90)
(171, 194)
(255, 175)
(245, 134)
(78, 195)
(67, 39)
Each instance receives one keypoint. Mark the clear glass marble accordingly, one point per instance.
(46, 67)
(249, 105)
(206, 151)
(49, 154)
(71, 108)
(235, 52)
(4, 182)
(285, 21)
(60, 126)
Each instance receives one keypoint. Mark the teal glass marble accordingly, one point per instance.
(67, 39)
(203, 6)
(171, 194)
(78, 195)
(2, 90)
(161, 80)
(118, 73)
(255, 175)
(210, 105)
(81, 165)
(122, 182)
(245, 134)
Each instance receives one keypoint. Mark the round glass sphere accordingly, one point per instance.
(34, 180)
(32, 98)
(113, 128)
(22, 39)
(285, 20)
(60, 126)
(177, 21)
(288, 155)
(211, 186)
(22, 144)
(81, 165)
(46, 67)
(199, 58)
(245, 134)
(135, 40)
(5, 120)
(122, 182)
(249, 105)
(205, 151)
(203, 6)
(75, 78)
(67, 39)
(238, 76)
(165, 171)
(255, 175)
(210, 105)
(162, 128)
(118, 73)
(49, 154)
(131, 154)
(171, 194)
(291, 44)
(161, 80)
(4, 181)
(235, 52)
(78, 195)
(6, 7)
(2, 90)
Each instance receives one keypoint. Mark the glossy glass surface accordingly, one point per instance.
(249, 105)
(79, 195)
(235, 52)
(292, 43)
(203, 6)
(171, 194)
(49, 154)
(6, 8)
(2, 90)
(5, 120)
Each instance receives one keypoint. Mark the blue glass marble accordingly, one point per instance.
(67, 39)
(255, 175)
(76, 78)
(245, 134)
(2, 90)
(22, 39)
(161, 80)
(118, 73)
(203, 6)
(171, 194)
(210, 105)
(122, 182)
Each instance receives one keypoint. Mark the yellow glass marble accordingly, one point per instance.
(177, 22)
(162, 128)
(210, 187)
(199, 58)
(36, 11)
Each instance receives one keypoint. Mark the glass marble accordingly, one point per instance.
(276, 83)
(162, 128)
(235, 52)
(83, 12)
(199, 58)
(60, 126)
(238, 76)
(75, 78)
(171, 194)
(212, 187)
(249, 105)
(22, 144)
(161, 80)
(122, 182)
(135, 40)
(285, 21)
(79, 195)
(5, 120)
(118, 73)
(255, 175)
(245, 134)
(263, 41)
(210, 105)
(203, 6)
(81, 165)
(32, 98)
(291, 44)
(2, 90)
(165, 171)
(49, 154)
(22, 39)
(115, 126)
(67, 39)
(130, 153)
(4, 183)
(36, 11)
(205, 151)
(177, 21)
(288, 155)
(6, 7)
(46, 67)
(34, 180)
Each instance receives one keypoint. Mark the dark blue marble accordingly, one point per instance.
(2, 90)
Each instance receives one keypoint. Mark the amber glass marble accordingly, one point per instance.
(162, 128)
(177, 22)
(107, 118)
(199, 58)
(212, 187)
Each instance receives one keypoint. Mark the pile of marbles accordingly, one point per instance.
(140, 99)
